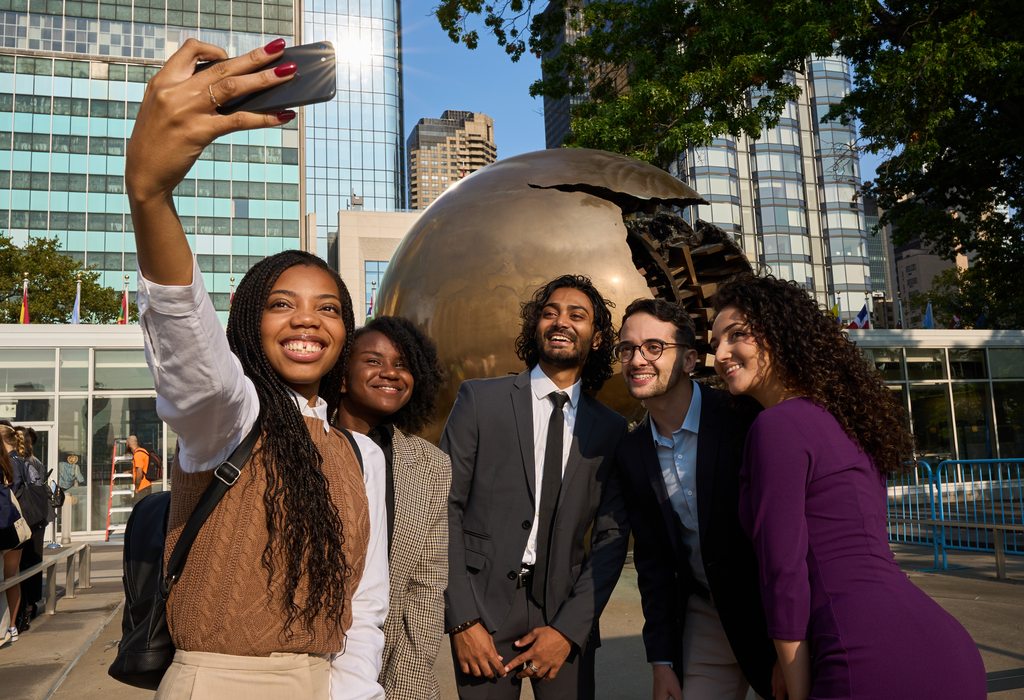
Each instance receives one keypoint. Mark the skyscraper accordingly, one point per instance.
(790, 197)
(72, 76)
(443, 151)
(353, 155)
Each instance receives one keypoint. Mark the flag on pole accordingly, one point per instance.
(955, 323)
(76, 312)
(122, 318)
(862, 320)
(834, 311)
(24, 318)
(899, 321)
(369, 311)
(929, 320)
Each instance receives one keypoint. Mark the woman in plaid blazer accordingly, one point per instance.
(390, 390)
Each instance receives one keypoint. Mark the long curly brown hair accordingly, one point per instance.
(815, 359)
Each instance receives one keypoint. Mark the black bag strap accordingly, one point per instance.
(224, 477)
(355, 448)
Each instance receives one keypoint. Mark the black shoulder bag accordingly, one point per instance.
(146, 649)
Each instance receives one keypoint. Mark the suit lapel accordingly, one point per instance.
(708, 438)
(522, 409)
(411, 506)
(649, 457)
(580, 436)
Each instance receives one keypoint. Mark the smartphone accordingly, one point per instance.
(315, 81)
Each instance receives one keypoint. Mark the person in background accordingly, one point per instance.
(12, 558)
(390, 391)
(32, 554)
(846, 621)
(140, 463)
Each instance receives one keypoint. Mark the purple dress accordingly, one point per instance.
(814, 506)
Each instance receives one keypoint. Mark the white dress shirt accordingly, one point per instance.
(542, 388)
(204, 396)
(678, 458)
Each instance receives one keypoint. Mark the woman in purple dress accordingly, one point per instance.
(847, 623)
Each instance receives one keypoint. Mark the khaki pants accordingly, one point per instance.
(201, 675)
(710, 669)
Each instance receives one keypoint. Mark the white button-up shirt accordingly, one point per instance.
(204, 396)
(542, 387)
(678, 458)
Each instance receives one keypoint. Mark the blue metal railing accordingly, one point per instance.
(969, 491)
(980, 491)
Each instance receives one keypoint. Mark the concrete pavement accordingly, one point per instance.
(77, 642)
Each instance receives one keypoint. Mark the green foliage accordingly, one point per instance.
(938, 91)
(52, 285)
(689, 64)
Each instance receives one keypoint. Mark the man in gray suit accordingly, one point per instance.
(533, 469)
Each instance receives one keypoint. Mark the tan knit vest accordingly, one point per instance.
(222, 602)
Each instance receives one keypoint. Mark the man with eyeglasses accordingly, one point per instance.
(705, 629)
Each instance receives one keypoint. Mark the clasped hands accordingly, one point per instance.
(548, 649)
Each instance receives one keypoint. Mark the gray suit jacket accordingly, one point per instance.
(489, 436)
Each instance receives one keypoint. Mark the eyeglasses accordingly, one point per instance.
(650, 351)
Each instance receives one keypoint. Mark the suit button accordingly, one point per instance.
(527, 524)
(512, 575)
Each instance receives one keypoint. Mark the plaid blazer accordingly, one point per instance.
(418, 569)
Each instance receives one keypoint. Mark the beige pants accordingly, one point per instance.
(201, 676)
(710, 669)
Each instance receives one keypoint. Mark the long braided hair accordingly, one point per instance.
(301, 517)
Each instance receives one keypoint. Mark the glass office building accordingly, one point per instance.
(790, 197)
(354, 144)
(72, 76)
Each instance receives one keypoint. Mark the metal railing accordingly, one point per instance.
(957, 505)
(49, 566)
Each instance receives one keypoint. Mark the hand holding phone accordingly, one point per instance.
(315, 81)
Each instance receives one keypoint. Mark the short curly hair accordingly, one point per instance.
(597, 368)
(428, 375)
(815, 359)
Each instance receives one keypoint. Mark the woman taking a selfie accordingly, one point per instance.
(390, 391)
(285, 588)
(847, 623)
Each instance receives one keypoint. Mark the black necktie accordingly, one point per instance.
(550, 486)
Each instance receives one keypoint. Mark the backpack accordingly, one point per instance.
(154, 470)
(146, 649)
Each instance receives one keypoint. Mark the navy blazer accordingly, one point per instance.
(661, 557)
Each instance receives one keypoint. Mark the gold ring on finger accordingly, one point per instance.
(212, 98)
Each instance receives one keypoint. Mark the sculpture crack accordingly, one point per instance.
(628, 203)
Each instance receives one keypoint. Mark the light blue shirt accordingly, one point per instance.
(678, 458)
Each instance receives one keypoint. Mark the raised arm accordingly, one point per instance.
(177, 120)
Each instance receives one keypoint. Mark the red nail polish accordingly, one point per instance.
(285, 115)
(285, 69)
(276, 46)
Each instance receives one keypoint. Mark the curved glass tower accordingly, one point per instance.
(354, 154)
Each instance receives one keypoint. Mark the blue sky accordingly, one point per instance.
(440, 75)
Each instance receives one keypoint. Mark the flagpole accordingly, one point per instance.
(867, 305)
(24, 299)
(76, 313)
